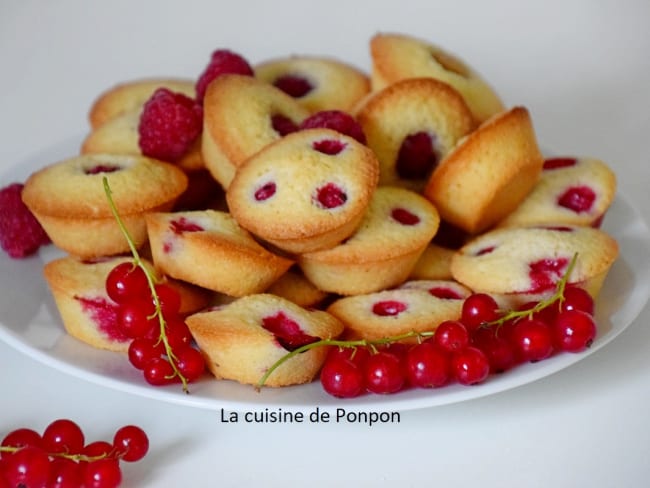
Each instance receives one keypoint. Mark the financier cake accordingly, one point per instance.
(241, 115)
(574, 191)
(488, 174)
(395, 231)
(317, 83)
(243, 339)
(68, 198)
(87, 312)
(520, 264)
(398, 56)
(209, 249)
(305, 192)
(393, 312)
(411, 125)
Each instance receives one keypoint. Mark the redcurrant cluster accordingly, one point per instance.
(466, 351)
(60, 457)
(148, 313)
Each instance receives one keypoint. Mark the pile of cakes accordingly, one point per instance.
(303, 229)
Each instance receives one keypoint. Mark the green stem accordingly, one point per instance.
(151, 283)
(339, 343)
(73, 457)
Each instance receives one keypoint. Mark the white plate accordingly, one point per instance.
(29, 321)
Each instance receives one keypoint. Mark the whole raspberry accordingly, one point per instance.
(20, 233)
(222, 62)
(170, 122)
(336, 120)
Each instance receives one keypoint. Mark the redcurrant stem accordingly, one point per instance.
(73, 457)
(152, 286)
(340, 343)
(560, 286)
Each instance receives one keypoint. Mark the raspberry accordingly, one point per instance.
(222, 62)
(336, 120)
(169, 124)
(20, 233)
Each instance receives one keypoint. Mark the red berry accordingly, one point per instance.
(64, 436)
(358, 355)
(573, 331)
(451, 335)
(65, 473)
(190, 363)
(169, 124)
(103, 473)
(577, 198)
(135, 319)
(532, 340)
(417, 156)
(295, 86)
(143, 350)
(27, 467)
(283, 125)
(342, 378)
(287, 331)
(330, 195)
(98, 449)
(336, 120)
(427, 366)
(21, 438)
(159, 372)
(498, 350)
(479, 308)
(221, 62)
(169, 299)
(577, 299)
(383, 373)
(131, 443)
(20, 233)
(470, 366)
(125, 282)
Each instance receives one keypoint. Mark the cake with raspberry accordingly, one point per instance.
(434, 263)
(87, 312)
(521, 264)
(131, 95)
(439, 288)
(317, 83)
(305, 192)
(575, 191)
(209, 249)
(393, 312)
(243, 339)
(399, 56)
(242, 115)
(120, 135)
(411, 125)
(396, 228)
(69, 200)
(488, 174)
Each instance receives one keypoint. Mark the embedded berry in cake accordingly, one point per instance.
(522, 264)
(21, 235)
(381, 253)
(169, 124)
(306, 191)
(316, 83)
(575, 191)
(243, 339)
(336, 120)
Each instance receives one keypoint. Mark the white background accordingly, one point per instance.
(583, 70)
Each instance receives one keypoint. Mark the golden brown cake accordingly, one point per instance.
(243, 339)
(87, 312)
(397, 227)
(520, 264)
(317, 83)
(434, 264)
(393, 312)
(69, 200)
(241, 115)
(293, 286)
(305, 192)
(131, 95)
(488, 174)
(411, 125)
(397, 56)
(450, 289)
(209, 249)
(575, 191)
